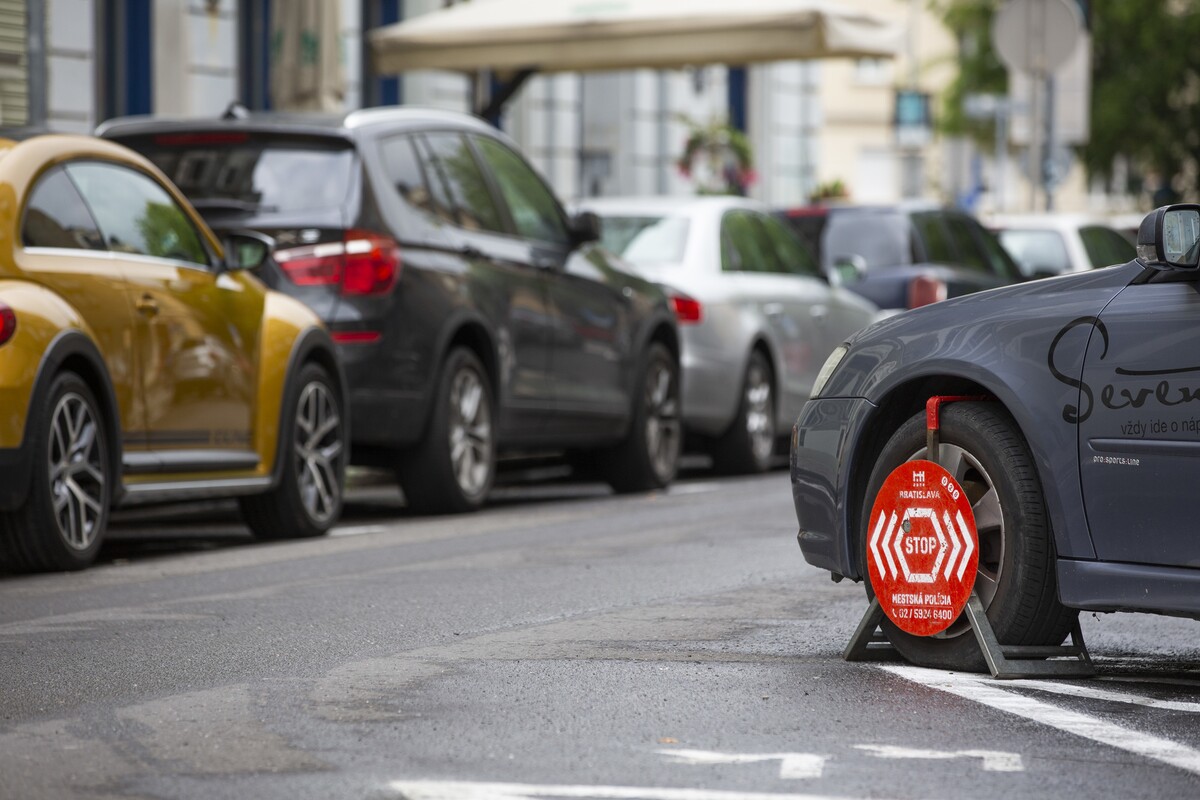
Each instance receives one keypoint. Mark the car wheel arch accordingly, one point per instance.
(473, 334)
(891, 411)
(313, 345)
(73, 351)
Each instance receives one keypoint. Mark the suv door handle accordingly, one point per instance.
(819, 312)
(545, 262)
(146, 305)
(773, 309)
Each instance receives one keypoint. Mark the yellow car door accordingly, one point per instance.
(62, 249)
(196, 327)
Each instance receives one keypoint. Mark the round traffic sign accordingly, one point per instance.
(922, 550)
(1036, 36)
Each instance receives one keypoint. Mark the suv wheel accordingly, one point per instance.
(648, 458)
(452, 470)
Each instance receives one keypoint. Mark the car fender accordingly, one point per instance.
(28, 374)
(1009, 348)
(291, 336)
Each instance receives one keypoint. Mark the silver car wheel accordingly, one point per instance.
(989, 523)
(77, 471)
(319, 449)
(760, 411)
(663, 427)
(470, 432)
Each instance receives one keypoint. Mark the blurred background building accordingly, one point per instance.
(853, 128)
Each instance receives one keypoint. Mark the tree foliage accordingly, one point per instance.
(1145, 83)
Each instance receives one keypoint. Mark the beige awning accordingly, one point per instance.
(586, 35)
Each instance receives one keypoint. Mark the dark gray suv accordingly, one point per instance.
(474, 317)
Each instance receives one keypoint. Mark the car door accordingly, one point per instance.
(1139, 424)
(196, 330)
(590, 361)
(502, 282)
(792, 307)
(63, 250)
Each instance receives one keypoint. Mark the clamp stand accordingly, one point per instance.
(1004, 661)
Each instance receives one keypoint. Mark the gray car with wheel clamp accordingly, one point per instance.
(1080, 459)
(473, 317)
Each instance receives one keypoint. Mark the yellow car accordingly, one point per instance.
(140, 361)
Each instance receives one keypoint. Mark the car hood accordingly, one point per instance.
(976, 336)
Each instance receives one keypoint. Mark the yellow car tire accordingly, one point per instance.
(307, 501)
(61, 524)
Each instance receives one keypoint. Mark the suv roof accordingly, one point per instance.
(343, 125)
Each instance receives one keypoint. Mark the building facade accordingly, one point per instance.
(67, 65)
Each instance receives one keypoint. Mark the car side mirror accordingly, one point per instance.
(247, 249)
(848, 269)
(1169, 238)
(585, 227)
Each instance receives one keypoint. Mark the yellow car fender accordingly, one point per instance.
(42, 318)
(291, 336)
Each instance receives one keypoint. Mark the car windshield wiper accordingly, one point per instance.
(229, 204)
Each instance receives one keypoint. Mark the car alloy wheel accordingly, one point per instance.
(760, 410)
(663, 427)
(318, 450)
(77, 471)
(981, 493)
(470, 432)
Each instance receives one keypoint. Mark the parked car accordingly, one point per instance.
(1051, 244)
(904, 256)
(757, 314)
(473, 316)
(1077, 447)
(140, 360)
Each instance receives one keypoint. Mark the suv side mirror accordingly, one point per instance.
(247, 249)
(585, 227)
(848, 269)
(1169, 238)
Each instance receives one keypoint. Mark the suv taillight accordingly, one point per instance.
(8, 323)
(923, 290)
(363, 263)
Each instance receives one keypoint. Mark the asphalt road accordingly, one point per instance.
(563, 643)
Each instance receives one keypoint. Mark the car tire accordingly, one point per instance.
(61, 524)
(451, 471)
(648, 457)
(307, 500)
(982, 447)
(748, 445)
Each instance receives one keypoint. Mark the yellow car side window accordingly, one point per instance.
(136, 215)
(56, 216)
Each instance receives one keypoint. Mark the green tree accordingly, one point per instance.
(1146, 88)
(1145, 83)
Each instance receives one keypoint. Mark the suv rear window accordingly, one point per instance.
(236, 171)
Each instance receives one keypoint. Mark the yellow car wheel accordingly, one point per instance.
(308, 499)
(61, 524)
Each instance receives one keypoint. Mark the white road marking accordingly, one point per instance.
(462, 790)
(987, 692)
(792, 766)
(357, 530)
(1093, 693)
(993, 760)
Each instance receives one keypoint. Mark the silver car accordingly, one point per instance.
(757, 316)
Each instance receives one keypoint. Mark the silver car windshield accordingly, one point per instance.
(646, 240)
